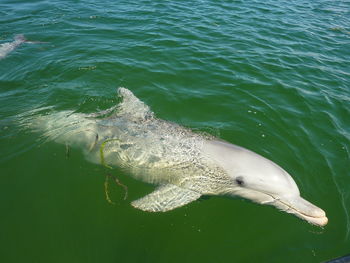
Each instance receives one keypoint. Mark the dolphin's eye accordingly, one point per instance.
(239, 180)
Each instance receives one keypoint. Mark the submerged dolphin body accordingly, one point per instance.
(185, 165)
(8, 47)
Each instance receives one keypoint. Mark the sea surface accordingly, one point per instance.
(272, 76)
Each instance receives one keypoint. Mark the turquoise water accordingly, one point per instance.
(271, 76)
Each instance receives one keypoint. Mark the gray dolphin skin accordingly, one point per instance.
(8, 47)
(184, 165)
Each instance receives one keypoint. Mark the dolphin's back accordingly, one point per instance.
(154, 150)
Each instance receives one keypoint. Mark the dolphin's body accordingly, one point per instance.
(8, 47)
(185, 165)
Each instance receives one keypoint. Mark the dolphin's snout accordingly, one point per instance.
(306, 210)
(305, 207)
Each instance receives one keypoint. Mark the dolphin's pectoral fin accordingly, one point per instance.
(165, 198)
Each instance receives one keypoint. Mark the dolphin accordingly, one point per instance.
(183, 164)
(8, 47)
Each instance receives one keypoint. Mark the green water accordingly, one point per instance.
(271, 76)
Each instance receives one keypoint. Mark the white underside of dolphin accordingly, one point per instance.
(184, 165)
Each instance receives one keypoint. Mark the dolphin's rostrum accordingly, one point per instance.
(184, 165)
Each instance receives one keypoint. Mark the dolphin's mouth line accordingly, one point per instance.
(290, 208)
(296, 210)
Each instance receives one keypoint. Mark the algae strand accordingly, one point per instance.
(103, 144)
